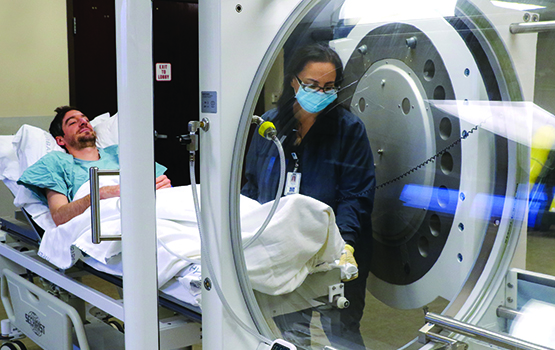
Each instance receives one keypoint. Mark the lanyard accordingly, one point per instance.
(296, 159)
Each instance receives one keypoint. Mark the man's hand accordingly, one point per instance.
(162, 181)
(63, 210)
(108, 191)
(348, 257)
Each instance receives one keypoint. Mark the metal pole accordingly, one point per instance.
(138, 208)
(495, 338)
(95, 204)
(94, 174)
(506, 313)
(532, 27)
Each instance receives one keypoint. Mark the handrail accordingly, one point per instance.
(450, 324)
(94, 174)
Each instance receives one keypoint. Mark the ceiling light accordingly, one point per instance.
(516, 5)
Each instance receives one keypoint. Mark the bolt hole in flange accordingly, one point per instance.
(435, 225)
(361, 105)
(445, 128)
(443, 196)
(429, 70)
(405, 106)
(439, 93)
(446, 163)
(423, 246)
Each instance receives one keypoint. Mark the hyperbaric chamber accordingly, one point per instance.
(443, 97)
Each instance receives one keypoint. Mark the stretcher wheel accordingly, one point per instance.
(15, 345)
(114, 324)
(342, 303)
(20, 344)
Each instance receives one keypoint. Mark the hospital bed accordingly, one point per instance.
(19, 257)
(21, 236)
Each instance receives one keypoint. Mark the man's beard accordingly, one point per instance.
(84, 141)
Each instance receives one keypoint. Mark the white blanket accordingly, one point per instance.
(301, 238)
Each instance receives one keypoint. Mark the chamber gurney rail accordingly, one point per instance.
(437, 323)
(532, 27)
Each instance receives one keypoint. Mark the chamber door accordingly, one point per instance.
(450, 180)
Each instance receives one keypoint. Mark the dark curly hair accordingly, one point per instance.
(56, 124)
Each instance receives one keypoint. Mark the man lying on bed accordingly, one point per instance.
(57, 176)
(273, 267)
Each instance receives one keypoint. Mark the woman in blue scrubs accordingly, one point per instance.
(328, 158)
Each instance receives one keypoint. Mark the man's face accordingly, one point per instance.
(78, 132)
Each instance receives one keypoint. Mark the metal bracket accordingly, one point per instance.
(336, 296)
(511, 289)
(430, 333)
(204, 124)
(335, 290)
(191, 140)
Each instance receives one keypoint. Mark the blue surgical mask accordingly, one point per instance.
(314, 102)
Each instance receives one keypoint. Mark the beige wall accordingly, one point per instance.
(33, 57)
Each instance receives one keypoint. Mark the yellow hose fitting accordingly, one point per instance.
(267, 130)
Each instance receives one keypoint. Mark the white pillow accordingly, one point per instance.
(106, 129)
(9, 165)
(31, 144)
(100, 119)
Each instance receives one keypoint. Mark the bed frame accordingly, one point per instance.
(19, 241)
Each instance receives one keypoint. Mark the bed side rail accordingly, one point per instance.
(41, 316)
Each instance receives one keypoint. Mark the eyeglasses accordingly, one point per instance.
(328, 90)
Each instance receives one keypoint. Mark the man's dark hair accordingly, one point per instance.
(56, 124)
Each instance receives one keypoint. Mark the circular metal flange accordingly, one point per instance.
(388, 95)
(413, 213)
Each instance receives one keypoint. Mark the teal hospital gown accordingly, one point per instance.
(61, 172)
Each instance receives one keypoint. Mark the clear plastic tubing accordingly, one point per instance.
(208, 260)
(278, 194)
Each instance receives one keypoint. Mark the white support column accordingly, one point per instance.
(138, 208)
(219, 330)
(233, 40)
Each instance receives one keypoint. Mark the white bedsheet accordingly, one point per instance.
(301, 238)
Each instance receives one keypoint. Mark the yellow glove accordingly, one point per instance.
(348, 257)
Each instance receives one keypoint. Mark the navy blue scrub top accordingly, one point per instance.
(336, 164)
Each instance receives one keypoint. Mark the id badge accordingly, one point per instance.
(292, 183)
